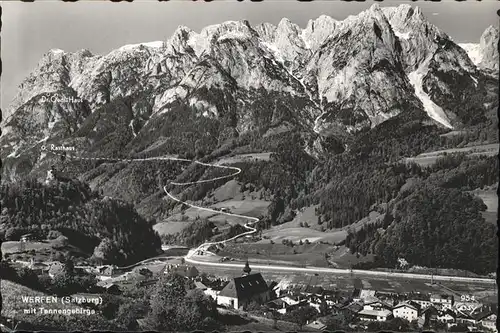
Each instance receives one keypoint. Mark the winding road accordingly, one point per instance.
(251, 230)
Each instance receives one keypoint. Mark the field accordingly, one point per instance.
(298, 234)
(169, 228)
(14, 246)
(247, 207)
(430, 158)
(244, 157)
(294, 232)
(38, 250)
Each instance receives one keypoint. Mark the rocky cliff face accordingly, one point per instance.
(332, 79)
(489, 49)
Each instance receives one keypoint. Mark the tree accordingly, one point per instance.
(129, 312)
(302, 315)
(53, 234)
(13, 234)
(28, 278)
(323, 308)
(60, 242)
(174, 309)
(106, 251)
(110, 306)
(336, 323)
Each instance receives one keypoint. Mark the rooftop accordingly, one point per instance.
(245, 286)
(406, 304)
(381, 313)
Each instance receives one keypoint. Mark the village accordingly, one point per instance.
(311, 307)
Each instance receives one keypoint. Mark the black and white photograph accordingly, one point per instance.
(240, 166)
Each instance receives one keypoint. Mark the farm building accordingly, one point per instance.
(421, 299)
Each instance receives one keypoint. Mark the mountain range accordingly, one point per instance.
(378, 86)
(332, 79)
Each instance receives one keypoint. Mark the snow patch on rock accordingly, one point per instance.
(432, 109)
(401, 35)
(473, 51)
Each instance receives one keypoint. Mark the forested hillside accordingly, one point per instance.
(82, 215)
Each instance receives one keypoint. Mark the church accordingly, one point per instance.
(241, 291)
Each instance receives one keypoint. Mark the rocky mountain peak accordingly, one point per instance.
(317, 31)
(488, 45)
(178, 42)
(266, 31)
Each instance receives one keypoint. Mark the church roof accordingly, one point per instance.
(245, 286)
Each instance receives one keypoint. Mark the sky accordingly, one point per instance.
(29, 30)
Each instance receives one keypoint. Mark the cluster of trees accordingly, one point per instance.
(176, 308)
(434, 227)
(82, 215)
(439, 227)
(469, 174)
(433, 222)
(193, 235)
(179, 131)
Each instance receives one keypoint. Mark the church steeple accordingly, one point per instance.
(246, 269)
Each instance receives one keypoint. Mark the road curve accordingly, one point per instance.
(251, 230)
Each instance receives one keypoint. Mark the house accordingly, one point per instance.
(488, 321)
(350, 311)
(38, 267)
(27, 238)
(464, 318)
(240, 291)
(406, 310)
(200, 285)
(373, 303)
(186, 271)
(335, 308)
(423, 300)
(112, 288)
(282, 306)
(446, 301)
(313, 291)
(291, 299)
(366, 294)
(107, 271)
(428, 316)
(316, 305)
(317, 324)
(486, 316)
(278, 305)
(374, 315)
(212, 292)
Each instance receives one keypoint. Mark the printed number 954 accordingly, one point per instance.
(467, 298)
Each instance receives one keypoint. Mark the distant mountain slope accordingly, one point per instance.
(337, 78)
